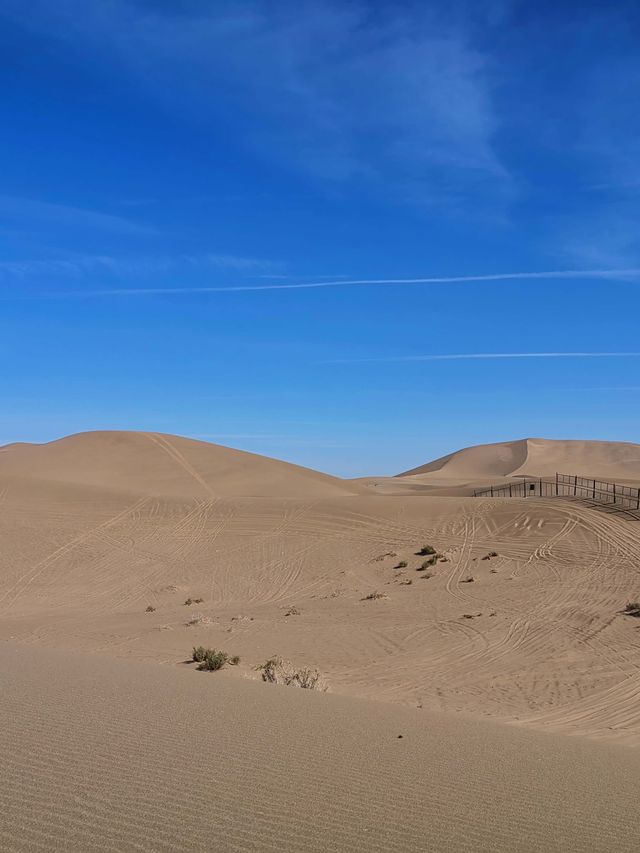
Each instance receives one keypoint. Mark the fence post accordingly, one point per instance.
(638, 506)
(614, 492)
(510, 495)
(594, 490)
(575, 485)
(540, 486)
(556, 484)
(492, 491)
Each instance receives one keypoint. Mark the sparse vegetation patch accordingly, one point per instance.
(632, 609)
(277, 671)
(150, 608)
(373, 596)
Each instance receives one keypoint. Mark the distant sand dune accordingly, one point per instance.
(538, 457)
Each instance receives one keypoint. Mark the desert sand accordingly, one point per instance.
(513, 678)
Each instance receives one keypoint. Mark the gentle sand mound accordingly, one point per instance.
(153, 463)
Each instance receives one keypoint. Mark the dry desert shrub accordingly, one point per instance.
(198, 654)
(199, 619)
(188, 602)
(278, 671)
(150, 608)
(213, 660)
(373, 596)
(428, 563)
(426, 550)
(632, 609)
(402, 564)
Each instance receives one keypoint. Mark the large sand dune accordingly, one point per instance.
(538, 457)
(97, 527)
(153, 463)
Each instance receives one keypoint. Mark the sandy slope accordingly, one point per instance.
(140, 757)
(153, 463)
(538, 457)
(95, 528)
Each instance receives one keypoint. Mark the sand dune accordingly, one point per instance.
(537, 457)
(153, 463)
(97, 527)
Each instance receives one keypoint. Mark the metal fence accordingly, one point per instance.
(567, 485)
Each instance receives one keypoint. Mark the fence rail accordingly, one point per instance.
(567, 485)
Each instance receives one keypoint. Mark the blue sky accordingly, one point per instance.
(173, 173)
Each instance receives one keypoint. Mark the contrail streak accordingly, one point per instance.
(482, 355)
(356, 282)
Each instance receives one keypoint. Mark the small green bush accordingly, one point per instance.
(234, 661)
(428, 563)
(402, 564)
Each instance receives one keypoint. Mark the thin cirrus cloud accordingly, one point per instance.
(36, 213)
(76, 265)
(309, 72)
(471, 356)
(627, 273)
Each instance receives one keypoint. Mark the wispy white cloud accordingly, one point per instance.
(77, 265)
(394, 95)
(37, 213)
(481, 355)
(624, 274)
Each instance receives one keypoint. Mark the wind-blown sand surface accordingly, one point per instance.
(98, 526)
(114, 755)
